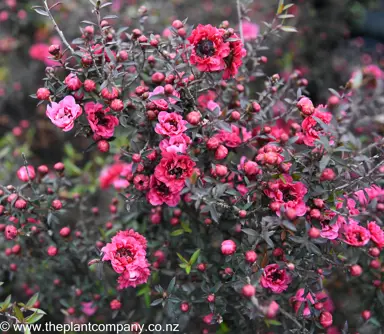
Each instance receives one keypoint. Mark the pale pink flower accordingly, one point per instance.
(64, 113)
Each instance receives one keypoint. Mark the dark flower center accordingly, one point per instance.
(276, 275)
(205, 48)
(101, 119)
(176, 171)
(162, 188)
(124, 252)
(287, 196)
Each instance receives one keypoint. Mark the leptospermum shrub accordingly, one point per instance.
(234, 210)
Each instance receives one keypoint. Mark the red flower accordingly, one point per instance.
(209, 48)
(235, 58)
(287, 194)
(312, 129)
(101, 124)
(160, 193)
(275, 278)
(173, 169)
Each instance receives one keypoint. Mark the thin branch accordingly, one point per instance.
(240, 20)
(57, 27)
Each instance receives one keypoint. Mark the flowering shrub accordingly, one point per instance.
(234, 210)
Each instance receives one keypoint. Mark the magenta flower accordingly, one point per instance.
(275, 279)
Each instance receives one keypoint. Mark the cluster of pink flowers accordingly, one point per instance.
(127, 254)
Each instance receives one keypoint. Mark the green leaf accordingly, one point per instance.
(188, 269)
(249, 231)
(324, 162)
(272, 322)
(35, 317)
(288, 29)
(19, 315)
(194, 257)
(157, 302)
(32, 300)
(181, 258)
(4, 305)
(171, 285)
(280, 7)
(40, 11)
(177, 232)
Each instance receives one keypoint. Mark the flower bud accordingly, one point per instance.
(228, 247)
(43, 94)
(248, 290)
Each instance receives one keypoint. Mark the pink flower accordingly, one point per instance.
(170, 124)
(250, 30)
(175, 144)
(356, 235)
(233, 138)
(275, 278)
(213, 106)
(373, 192)
(162, 104)
(73, 82)
(135, 276)
(88, 308)
(312, 129)
(209, 48)
(102, 125)
(235, 58)
(298, 299)
(204, 99)
(324, 298)
(64, 113)
(305, 105)
(26, 173)
(329, 231)
(116, 175)
(377, 234)
(160, 193)
(173, 170)
(287, 194)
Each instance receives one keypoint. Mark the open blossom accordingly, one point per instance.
(312, 130)
(233, 138)
(64, 113)
(175, 144)
(377, 234)
(160, 193)
(372, 192)
(127, 254)
(100, 122)
(170, 124)
(355, 235)
(270, 154)
(275, 278)
(298, 299)
(116, 175)
(209, 48)
(328, 230)
(235, 58)
(288, 194)
(173, 169)
(89, 308)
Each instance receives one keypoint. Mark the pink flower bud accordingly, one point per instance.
(250, 256)
(228, 247)
(20, 204)
(366, 315)
(59, 167)
(184, 307)
(117, 105)
(201, 267)
(211, 298)
(318, 202)
(213, 143)
(251, 168)
(89, 85)
(52, 251)
(103, 146)
(65, 232)
(221, 170)
(273, 309)
(315, 213)
(177, 24)
(305, 105)
(10, 232)
(43, 94)
(194, 118)
(221, 152)
(314, 233)
(327, 175)
(248, 290)
(325, 319)
(115, 304)
(26, 173)
(73, 82)
(256, 107)
(158, 77)
(56, 204)
(355, 270)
